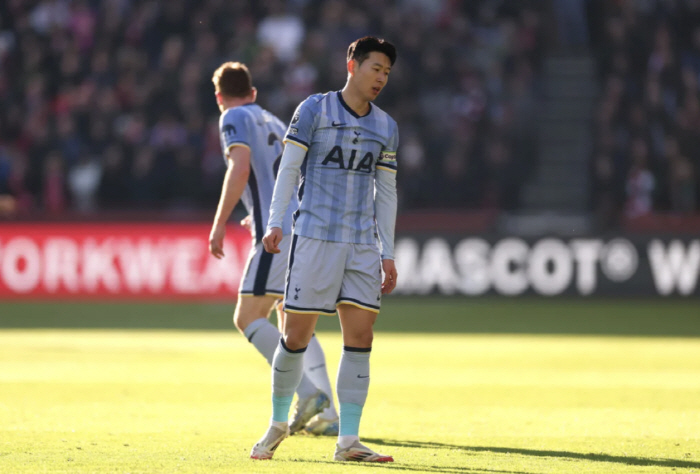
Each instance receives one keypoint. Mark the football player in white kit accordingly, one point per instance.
(344, 149)
(251, 141)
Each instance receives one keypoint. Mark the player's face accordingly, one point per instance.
(371, 76)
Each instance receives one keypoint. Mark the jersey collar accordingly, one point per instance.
(352, 112)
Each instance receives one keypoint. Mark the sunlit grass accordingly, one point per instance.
(92, 401)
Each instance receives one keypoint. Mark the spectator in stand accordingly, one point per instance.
(95, 77)
(681, 177)
(641, 182)
(83, 182)
(649, 62)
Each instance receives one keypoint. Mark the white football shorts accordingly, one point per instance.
(264, 273)
(324, 274)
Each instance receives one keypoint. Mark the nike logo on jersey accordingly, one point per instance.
(362, 376)
(334, 124)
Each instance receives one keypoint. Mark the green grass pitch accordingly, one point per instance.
(526, 386)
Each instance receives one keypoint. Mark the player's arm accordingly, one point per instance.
(385, 206)
(287, 179)
(235, 181)
(297, 140)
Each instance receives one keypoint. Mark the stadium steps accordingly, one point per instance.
(560, 182)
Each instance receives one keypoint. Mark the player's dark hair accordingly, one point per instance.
(233, 80)
(359, 50)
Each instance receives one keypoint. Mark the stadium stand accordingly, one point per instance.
(646, 154)
(108, 105)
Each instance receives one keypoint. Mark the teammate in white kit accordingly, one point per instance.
(344, 148)
(251, 141)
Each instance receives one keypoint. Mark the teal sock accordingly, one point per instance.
(280, 408)
(353, 384)
(350, 414)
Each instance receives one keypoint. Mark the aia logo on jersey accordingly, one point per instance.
(353, 162)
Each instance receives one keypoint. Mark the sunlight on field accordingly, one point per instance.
(176, 401)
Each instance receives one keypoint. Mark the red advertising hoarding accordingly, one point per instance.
(134, 261)
(114, 261)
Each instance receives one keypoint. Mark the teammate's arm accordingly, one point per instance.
(235, 181)
(287, 179)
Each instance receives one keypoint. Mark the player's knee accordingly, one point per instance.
(251, 309)
(295, 341)
(363, 340)
(242, 319)
(239, 323)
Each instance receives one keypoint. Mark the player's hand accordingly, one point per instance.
(216, 240)
(246, 221)
(390, 275)
(272, 239)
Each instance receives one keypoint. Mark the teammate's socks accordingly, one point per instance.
(315, 369)
(265, 337)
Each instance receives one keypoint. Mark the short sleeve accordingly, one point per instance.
(234, 129)
(387, 157)
(303, 124)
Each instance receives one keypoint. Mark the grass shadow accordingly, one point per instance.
(628, 460)
(401, 467)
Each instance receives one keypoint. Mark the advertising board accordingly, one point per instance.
(116, 261)
(549, 266)
(171, 261)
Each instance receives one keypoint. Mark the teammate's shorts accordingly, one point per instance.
(264, 272)
(325, 274)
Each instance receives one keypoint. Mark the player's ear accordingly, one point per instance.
(254, 93)
(352, 64)
(218, 97)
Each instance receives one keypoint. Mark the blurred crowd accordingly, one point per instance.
(647, 123)
(108, 104)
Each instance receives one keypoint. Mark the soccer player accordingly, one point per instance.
(345, 150)
(252, 147)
